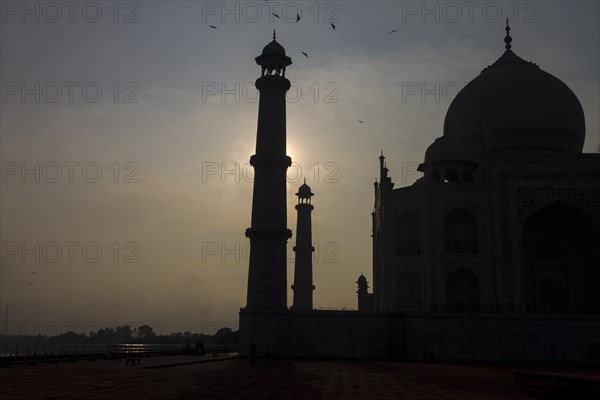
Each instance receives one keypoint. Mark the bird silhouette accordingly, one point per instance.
(276, 15)
(395, 30)
(332, 25)
(212, 26)
(362, 122)
(34, 272)
(29, 283)
(297, 17)
(305, 55)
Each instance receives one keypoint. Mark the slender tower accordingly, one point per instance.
(303, 278)
(268, 233)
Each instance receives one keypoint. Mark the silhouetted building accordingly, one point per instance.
(303, 277)
(506, 217)
(491, 255)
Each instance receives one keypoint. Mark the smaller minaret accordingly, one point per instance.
(385, 182)
(365, 299)
(303, 280)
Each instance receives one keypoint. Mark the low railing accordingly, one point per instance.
(146, 349)
(7, 351)
(53, 352)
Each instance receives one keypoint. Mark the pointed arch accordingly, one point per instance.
(460, 232)
(560, 253)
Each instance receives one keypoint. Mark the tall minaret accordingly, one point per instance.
(267, 280)
(303, 282)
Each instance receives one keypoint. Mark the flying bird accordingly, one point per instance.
(276, 15)
(362, 122)
(297, 17)
(212, 26)
(332, 25)
(34, 272)
(395, 30)
(29, 283)
(305, 55)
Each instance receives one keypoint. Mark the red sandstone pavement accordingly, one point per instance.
(268, 379)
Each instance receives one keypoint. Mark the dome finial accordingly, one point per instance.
(276, 35)
(507, 39)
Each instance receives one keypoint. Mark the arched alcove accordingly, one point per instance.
(460, 232)
(560, 253)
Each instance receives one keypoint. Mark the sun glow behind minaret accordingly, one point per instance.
(293, 150)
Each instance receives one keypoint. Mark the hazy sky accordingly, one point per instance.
(126, 130)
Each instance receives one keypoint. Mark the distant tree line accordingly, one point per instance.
(123, 334)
